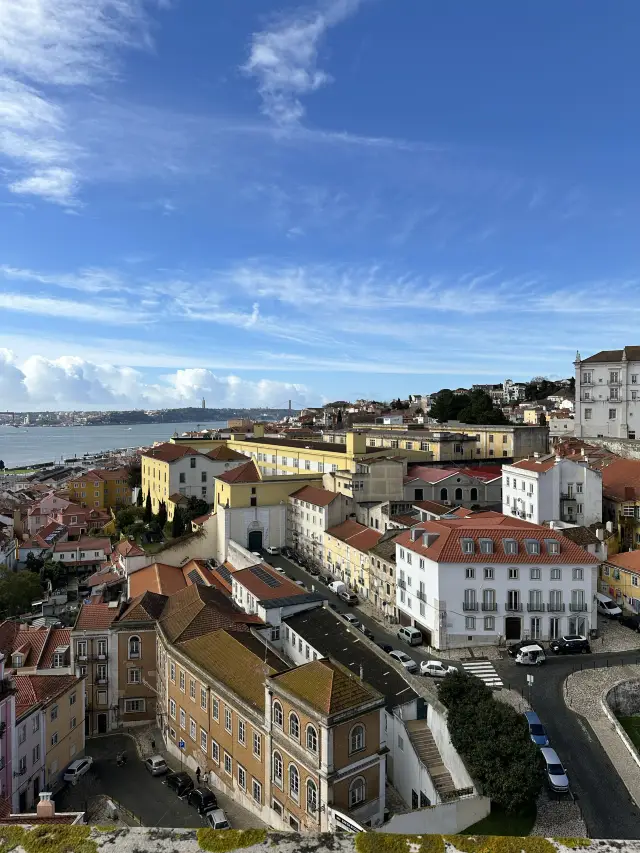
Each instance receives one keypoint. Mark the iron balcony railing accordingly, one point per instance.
(578, 606)
(489, 606)
(535, 607)
(555, 607)
(513, 607)
(470, 605)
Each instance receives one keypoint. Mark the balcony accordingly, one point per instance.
(565, 496)
(513, 607)
(101, 680)
(578, 607)
(555, 607)
(536, 608)
(421, 596)
(489, 606)
(613, 382)
(402, 584)
(470, 606)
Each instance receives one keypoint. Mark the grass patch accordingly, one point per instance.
(631, 725)
(19, 471)
(387, 842)
(501, 822)
(500, 844)
(225, 840)
(59, 839)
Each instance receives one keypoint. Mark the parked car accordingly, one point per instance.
(537, 731)
(156, 765)
(607, 606)
(286, 551)
(366, 631)
(410, 635)
(531, 655)
(386, 647)
(337, 586)
(314, 571)
(630, 620)
(325, 579)
(403, 658)
(351, 619)
(570, 644)
(435, 668)
(556, 774)
(77, 769)
(349, 598)
(181, 783)
(514, 648)
(217, 819)
(203, 799)
(272, 550)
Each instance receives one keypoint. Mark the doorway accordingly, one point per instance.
(36, 790)
(22, 802)
(102, 724)
(512, 627)
(254, 540)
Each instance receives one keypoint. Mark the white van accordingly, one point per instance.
(532, 655)
(410, 635)
(607, 606)
(337, 586)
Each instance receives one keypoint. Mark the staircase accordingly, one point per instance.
(428, 753)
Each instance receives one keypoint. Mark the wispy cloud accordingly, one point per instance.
(91, 280)
(284, 58)
(64, 308)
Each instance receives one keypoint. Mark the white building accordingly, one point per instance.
(28, 750)
(476, 581)
(512, 392)
(311, 511)
(85, 554)
(608, 394)
(454, 487)
(551, 488)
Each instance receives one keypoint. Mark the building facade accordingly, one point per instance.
(101, 489)
(468, 487)
(347, 554)
(608, 394)
(310, 512)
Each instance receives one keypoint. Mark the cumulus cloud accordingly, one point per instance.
(71, 382)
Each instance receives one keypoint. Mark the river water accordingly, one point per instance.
(28, 445)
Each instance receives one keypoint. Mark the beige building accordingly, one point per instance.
(378, 479)
(382, 570)
(311, 511)
(94, 656)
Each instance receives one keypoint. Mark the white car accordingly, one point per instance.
(435, 668)
(403, 658)
(217, 819)
(77, 769)
(273, 550)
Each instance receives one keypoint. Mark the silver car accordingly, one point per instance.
(408, 663)
(156, 765)
(217, 819)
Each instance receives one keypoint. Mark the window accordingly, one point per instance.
(534, 574)
(183, 719)
(486, 546)
(444, 495)
(275, 633)
(532, 546)
(277, 769)
(510, 546)
(356, 738)
(81, 648)
(256, 790)
(227, 720)
(257, 746)
(278, 716)
(488, 574)
(242, 732)
(473, 495)
(578, 574)
(458, 492)
(102, 648)
(192, 728)
(513, 574)
(294, 783)
(134, 706)
(192, 461)
(489, 623)
(357, 792)
(469, 573)
(612, 414)
(182, 681)
(556, 574)
(294, 726)
(172, 708)
(192, 690)
(54, 738)
(35, 753)
(215, 709)
(134, 648)
(203, 698)
(54, 713)
(242, 778)
(35, 725)
(468, 546)
(312, 797)
(553, 547)
(470, 623)
(588, 414)
(22, 734)
(133, 676)
(228, 764)
(102, 697)
(183, 478)
(22, 765)
(172, 672)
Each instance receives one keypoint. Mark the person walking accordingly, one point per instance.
(198, 775)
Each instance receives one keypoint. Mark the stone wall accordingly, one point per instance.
(624, 698)
(626, 447)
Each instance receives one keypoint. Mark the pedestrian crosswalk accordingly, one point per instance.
(485, 671)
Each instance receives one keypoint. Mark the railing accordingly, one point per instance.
(614, 382)
(579, 607)
(565, 496)
(102, 680)
(534, 607)
(402, 584)
(489, 606)
(555, 607)
(513, 607)
(422, 596)
(470, 605)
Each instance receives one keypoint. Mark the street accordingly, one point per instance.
(606, 805)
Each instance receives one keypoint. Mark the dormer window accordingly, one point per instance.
(18, 661)
(486, 546)
(533, 546)
(553, 547)
(510, 546)
(468, 546)
(58, 660)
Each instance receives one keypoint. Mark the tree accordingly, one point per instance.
(139, 498)
(161, 517)
(125, 518)
(177, 524)
(17, 591)
(195, 508)
(135, 474)
(1, 465)
(474, 408)
(148, 510)
(34, 564)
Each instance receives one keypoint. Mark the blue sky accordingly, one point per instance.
(254, 201)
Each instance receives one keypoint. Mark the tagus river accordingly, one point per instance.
(29, 445)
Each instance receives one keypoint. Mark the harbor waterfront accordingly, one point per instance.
(31, 445)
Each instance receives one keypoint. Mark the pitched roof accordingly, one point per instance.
(448, 534)
(247, 473)
(94, 617)
(108, 578)
(126, 548)
(84, 544)
(629, 560)
(580, 535)
(632, 354)
(158, 577)
(344, 530)
(428, 475)
(305, 444)
(147, 606)
(168, 452)
(621, 479)
(56, 637)
(104, 474)
(222, 453)
(197, 609)
(32, 690)
(544, 463)
(356, 535)
(386, 546)
(278, 586)
(432, 507)
(238, 660)
(315, 495)
(326, 685)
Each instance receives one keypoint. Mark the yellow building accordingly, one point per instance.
(620, 579)
(347, 557)
(102, 488)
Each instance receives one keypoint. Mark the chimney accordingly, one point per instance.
(46, 808)
(609, 527)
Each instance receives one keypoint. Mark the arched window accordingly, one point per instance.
(356, 738)
(312, 796)
(357, 791)
(473, 495)
(312, 739)
(294, 783)
(134, 648)
(444, 495)
(458, 496)
(294, 726)
(277, 769)
(278, 716)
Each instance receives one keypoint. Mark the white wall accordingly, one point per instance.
(235, 524)
(437, 722)
(34, 770)
(406, 772)
(446, 818)
(627, 409)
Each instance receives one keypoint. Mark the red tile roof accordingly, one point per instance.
(433, 507)
(168, 452)
(107, 578)
(104, 474)
(629, 560)
(94, 617)
(261, 590)
(57, 637)
(428, 475)
(449, 533)
(32, 690)
(532, 464)
(158, 577)
(84, 545)
(355, 535)
(621, 479)
(247, 473)
(125, 548)
(315, 495)
(344, 530)
(225, 454)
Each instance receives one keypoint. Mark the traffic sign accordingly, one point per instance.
(529, 679)
(181, 744)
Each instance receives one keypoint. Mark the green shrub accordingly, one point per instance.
(222, 841)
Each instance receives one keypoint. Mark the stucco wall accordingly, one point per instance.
(448, 818)
(625, 447)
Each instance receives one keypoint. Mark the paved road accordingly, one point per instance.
(607, 808)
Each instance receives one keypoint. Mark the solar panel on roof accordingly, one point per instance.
(224, 572)
(195, 577)
(265, 577)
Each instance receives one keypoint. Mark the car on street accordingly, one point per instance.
(631, 621)
(349, 598)
(314, 571)
(410, 635)
(531, 655)
(272, 550)
(557, 778)
(181, 783)
(217, 819)
(570, 644)
(404, 659)
(386, 647)
(435, 668)
(514, 648)
(203, 799)
(537, 731)
(366, 631)
(351, 619)
(77, 769)
(325, 579)
(156, 765)
(607, 606)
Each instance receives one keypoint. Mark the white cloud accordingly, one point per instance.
(72, 382)
(49, 307)
(284, 59)
(57, 44)
(89, 280)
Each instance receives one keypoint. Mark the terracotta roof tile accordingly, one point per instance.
(225, 454)
(94, 617)
(263, 592)
(126, 548)
(87, 544)
(247, 473)
(197, 610)
(355, 535)
(315, 496)
(326, 686)
(158, 577)
(344, 530)
(621, 479)
(544, 463)
(168, 452)
(147, 606)
(56, 637)
(107, 578)
(32, 690)
(629, 560)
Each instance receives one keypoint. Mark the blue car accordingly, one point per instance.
(536, 729)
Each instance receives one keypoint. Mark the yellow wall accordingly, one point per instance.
(104, 495)
(269, 491)
(70, 743)
(618, 583)
(155, 479)
(358, 562)
(202, 445)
